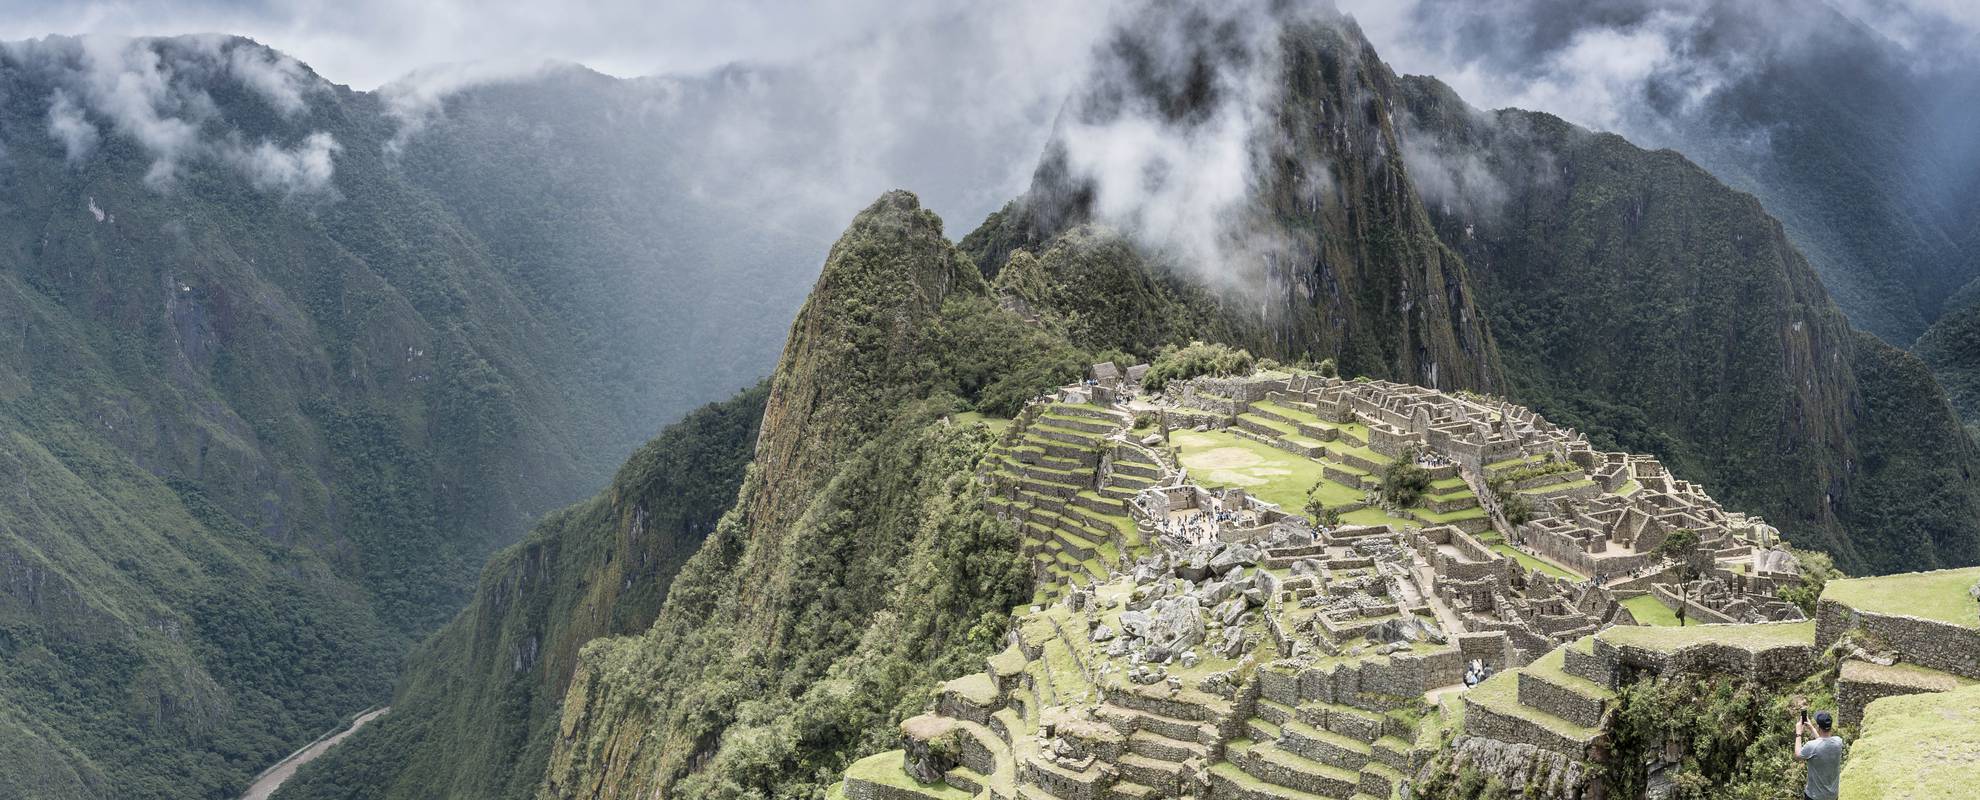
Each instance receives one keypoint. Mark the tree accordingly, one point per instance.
(1404, 482)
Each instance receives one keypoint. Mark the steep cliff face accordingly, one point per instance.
(855, 565)
(1636, 297)
(1323, 249)
(481, 699)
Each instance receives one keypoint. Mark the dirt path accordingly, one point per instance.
(268, 781)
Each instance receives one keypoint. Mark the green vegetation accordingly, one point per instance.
(1817, 569)
(1648, 610)
(1735, 738)
(858, 569)
(1195, 360)
(1404, 481)
(482, 697)
(1641, 301)
(1218, 458)
(1939, 596)
(1917, 747)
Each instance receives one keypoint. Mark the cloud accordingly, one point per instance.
(304, 169)
(68, 126)
(414, 101)
(154, 92)
(1169, 129)
(278, 78)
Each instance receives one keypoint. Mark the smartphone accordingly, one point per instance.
(1804, 716)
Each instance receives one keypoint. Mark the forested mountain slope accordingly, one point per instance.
(269, 395)
(1637, 298)
(483, 695)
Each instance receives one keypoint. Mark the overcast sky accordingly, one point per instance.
(365, 43)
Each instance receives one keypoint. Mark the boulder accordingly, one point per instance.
(1234, 557)
(1136, 623)
(1102, 633)
(1178, 622)
(1152, 439)
(1196, 568)
(1230, 611)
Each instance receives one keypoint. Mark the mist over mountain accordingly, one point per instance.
(283, 363)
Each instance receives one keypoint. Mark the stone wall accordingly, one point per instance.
(1938, 645)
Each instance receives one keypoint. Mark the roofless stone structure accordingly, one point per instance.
(1230, 604)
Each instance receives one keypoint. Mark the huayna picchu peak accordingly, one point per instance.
(1125, 400)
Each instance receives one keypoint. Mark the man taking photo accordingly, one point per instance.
(1823, 754)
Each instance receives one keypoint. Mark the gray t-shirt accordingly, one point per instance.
(1824, 757)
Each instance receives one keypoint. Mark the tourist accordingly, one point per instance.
(1824, 755)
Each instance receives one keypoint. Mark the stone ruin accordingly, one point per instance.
(1191, 639)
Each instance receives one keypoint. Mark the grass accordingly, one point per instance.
(885, 769)
(1917, 747)
(1938, 596)
(1273, 475)
(1535, 562)
(1552, 668)
(1648, 610)
(996, 424)
(1500, 693)
(1752, 637)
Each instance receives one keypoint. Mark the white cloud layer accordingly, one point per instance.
(155, 93)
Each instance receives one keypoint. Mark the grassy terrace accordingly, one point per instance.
(1557, 487)
(1552, 669)
(1916, 747)
(1500, 693)
(885, 769)
(996, 424)
(1275, 476)
(1939, 596)
(1760, 636)
(1648, 610)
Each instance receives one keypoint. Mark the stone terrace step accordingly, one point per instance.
(1274, 765)
(1084, 410)
(1227, 782)
(1154, 745)
(1582, 662)
(1128, 790)
(1129, 720)
(1163, 776)
(1083, 424)
(1358, 724)
(1326, 747)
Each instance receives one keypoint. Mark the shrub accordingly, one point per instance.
(1196, 360)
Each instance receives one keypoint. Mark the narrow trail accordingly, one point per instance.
(272, 778)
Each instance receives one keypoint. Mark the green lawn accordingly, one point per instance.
(997, 424)
(1215, 458)
(1917, 747)
(1940, 596)
(1648, 610)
